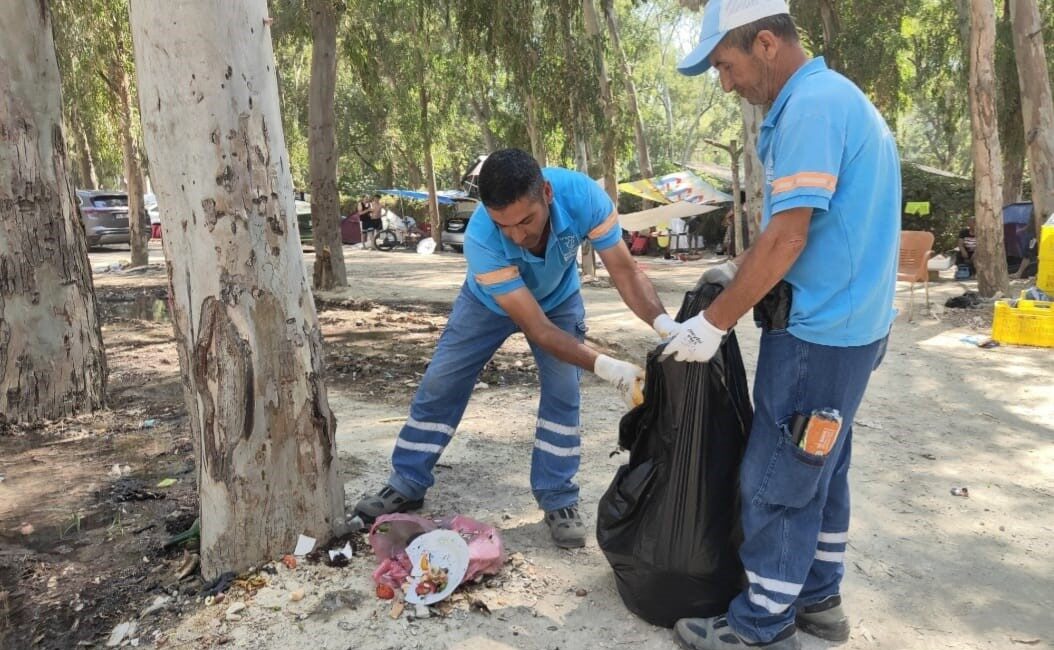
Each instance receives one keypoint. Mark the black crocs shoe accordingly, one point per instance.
(825, 619)
(716, 634)
(385, 502)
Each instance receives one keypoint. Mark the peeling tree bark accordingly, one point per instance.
(1037, 105)
(52, 362)
(247, 332)
(330, 271)
(987, 159)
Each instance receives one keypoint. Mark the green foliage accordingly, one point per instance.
(478, 61)
(951, 204)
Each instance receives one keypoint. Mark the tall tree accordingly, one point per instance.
(247, 332)
(52, 362)
(753, 172)
(640, 139)
(322, 145)
(120, 84)
(1011, 129)
(1037, 106)
(608, 135)
(988, 165)
(422, 29)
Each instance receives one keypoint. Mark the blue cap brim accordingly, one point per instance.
(698, 61)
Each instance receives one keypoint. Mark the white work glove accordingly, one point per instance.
(665, 326)
(628, 379)
(696, 342)
(721, 274)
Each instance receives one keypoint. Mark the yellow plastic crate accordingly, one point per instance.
(1031, 322)
(1045, 275)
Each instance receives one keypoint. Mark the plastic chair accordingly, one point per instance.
(913, 266)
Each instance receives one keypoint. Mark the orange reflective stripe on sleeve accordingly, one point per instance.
(804, 179)
(497, 277)
(605, 227)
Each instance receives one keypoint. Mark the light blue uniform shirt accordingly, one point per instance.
(496, 265)
(825, 146)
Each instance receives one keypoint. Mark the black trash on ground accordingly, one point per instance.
(669, 523)
(968, 300)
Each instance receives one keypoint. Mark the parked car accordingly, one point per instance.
(303, 222)
(104, 214)
(455, 225)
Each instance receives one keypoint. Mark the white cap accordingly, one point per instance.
(721, 17)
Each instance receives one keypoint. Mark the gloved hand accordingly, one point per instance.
(627, 378)
(721, 274)
(696, 342)
(665, 326)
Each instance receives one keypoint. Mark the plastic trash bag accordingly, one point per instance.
(391, 534)
(669, 522)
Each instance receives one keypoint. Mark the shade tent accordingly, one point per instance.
(444, 197)
(662, 215)
(683, 186)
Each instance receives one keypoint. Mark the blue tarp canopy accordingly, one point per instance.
(445, 197)
(1017, 228)
(1019, 213)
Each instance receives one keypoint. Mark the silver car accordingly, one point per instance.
(104, 214)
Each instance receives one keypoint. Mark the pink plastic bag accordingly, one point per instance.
(391, 534)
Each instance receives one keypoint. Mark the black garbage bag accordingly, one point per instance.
(669, 522)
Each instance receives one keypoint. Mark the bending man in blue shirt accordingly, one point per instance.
(521, 247)
(831, 230)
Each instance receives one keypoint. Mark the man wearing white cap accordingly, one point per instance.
(831, 223)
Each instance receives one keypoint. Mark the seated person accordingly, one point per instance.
(967, 246)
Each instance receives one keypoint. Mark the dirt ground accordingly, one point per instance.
(82, 518)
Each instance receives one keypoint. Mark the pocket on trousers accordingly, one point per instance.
(792, 477)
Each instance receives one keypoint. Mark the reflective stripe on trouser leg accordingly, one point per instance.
(784, 491)
(557, 443)
(828, 567)
(472, 335)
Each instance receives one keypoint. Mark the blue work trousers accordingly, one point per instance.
(795, 505)
(472, 336)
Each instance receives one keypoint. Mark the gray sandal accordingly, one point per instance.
(385, 502)
(566, 527)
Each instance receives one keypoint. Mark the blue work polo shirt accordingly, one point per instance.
(825, 146)
(496, 265)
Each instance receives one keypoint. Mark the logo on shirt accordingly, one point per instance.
(568, 246)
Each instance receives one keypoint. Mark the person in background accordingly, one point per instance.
(967, 246)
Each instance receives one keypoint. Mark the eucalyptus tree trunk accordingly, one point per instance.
(643, 157)
(52, 362)
(322, 149)
(753, 171)
(133, 175)
(88, 177)
(1011, 128)
(988, 165)
(608, 156)
(1037, 106)
(246, 329)
(534, 130)
(421, 31)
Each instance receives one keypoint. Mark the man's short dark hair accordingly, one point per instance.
(507, 176)
(781, 25)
